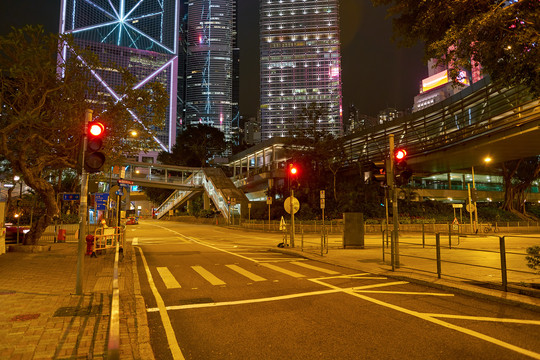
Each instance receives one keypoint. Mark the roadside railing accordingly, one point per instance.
(113, 344)
(107, 238)
(454, 260)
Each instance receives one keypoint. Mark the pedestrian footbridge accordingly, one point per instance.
(187, 183)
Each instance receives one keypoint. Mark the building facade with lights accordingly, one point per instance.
(300, 64)
(211, 57)
(139, 36)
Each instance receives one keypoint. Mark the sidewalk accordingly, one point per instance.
(42, 318)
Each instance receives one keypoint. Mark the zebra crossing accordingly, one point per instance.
(241, 274)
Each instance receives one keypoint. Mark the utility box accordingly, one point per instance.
(353, 230)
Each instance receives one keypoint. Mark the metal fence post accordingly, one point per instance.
(423, 236)
(383, 246)
(503, 262)
(450, 236)
(392, 253)
(438, 249)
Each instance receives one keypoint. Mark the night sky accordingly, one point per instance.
(376, 73)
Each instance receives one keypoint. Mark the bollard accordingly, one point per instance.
(438, 249)
(302, 243)
(502, 247)
(322, 244)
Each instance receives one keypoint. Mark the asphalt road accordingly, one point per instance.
(217, 293)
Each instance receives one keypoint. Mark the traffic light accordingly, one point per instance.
(94, 158)
(378, 171)
(293, 176)
(402, 173)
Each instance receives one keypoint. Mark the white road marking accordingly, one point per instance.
(312, 267)
(481, 318)
(283, 271)
(208, 276)
(168, 278)
(246, 273)
(402, 292)
(169, 331)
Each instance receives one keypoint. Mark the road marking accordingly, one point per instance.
(312, 267)
(480, 318)
(360, 288)
(282, 270)
(249, 301)
(169, 331)
(428, 317)
(135, 241)
(208, 276)
(402, 292)
(246, 273)
(168, 278)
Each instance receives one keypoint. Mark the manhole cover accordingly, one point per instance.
(78, 311)
(25, 317)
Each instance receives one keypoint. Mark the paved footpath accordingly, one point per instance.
(42, 318)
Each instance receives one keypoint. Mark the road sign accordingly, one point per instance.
(282, 225)
(322, 194)
(101, 201)
(124, 183)
(233, 201)
(269, 200)
(71, 197)
(322, 203)
(119, 193)
(295, 205)
(470, 207)
(457, 206)
(249, 205)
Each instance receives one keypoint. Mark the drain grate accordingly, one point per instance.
(78, 311)
(25, 317)
(196, 301)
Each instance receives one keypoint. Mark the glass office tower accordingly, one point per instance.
(141, 36)
(300, 64)
(209, 70)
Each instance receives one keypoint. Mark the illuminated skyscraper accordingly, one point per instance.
(141, 36)
(211, 40)
(300, 64)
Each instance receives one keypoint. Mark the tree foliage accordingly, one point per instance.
(518, 176)
(195, 146)
(43, 98)
(502, 36)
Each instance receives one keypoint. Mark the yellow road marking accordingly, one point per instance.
(246, 273)
(208, 276)
(481, 318)
(168, 278)
(169, 331)
(312, 267)
(402, 292)
(282, 270)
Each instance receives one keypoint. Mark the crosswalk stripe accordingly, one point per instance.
(246, 273)
(208, 276)
(282, 270)
(168, 278)
(312, 267)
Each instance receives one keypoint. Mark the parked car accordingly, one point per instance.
(132, 220)
(11, 232)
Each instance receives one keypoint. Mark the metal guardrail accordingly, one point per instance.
(113, 345)
(501, 252)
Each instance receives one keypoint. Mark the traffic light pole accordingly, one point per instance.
(391, 185)
(292, 218)
(83, 209)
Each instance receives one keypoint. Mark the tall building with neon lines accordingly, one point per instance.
(211, 42)
(300, 64)
(141, 36)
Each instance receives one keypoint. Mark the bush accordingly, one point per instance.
(533, 260)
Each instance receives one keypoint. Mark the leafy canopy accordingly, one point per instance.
(502, 36)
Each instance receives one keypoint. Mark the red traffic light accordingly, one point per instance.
(294, 170)
(400, 154)
(95, 128)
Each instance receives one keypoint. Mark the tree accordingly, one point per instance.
(501, 36)
(43, 98)
(195, 146)
(518, 176)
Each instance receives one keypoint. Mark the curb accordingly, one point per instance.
(143, 331)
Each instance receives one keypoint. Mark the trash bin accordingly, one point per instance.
(89, 244)
(62, 235)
